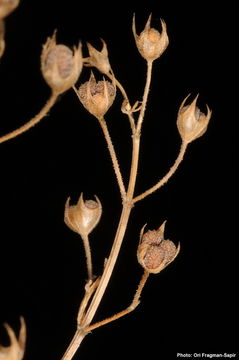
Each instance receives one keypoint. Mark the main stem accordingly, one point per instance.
(123, 222)
(130, 308)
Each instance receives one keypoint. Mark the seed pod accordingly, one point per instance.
(126, 107)
(84, 216)
(191, 122)
(99, 59)
(60, 66)
(151, 43)
(154, 252)
(97, 97)
(15, 351)
(7, 6)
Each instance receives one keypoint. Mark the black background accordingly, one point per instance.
(191, 306)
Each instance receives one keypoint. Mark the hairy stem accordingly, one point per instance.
(109, 265)
(124, 94)
(74, 344)
(81, 333)
(113, 157)
(89, 291)
(145, 96)
(127, 206)
(130, 308)
(166, 177)
(43, 112)
(136, 136)
(86, 243)
(123, 222)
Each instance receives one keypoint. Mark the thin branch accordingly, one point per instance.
(136, 136)
(86, 243)
(113, 158)
(82, 331)
(124, 94)
(166, 177)
(129, 309)
(145, 96)
(90, 288)
(111, 151)
(36, 119)
(140, 287)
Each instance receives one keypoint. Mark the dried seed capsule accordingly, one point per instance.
(97, 97)
(151, 43)
(99, 59)
(14, 351)
(191, 122)
(154, 252)
(7, 6)
(84, 216)
(60, 55)
(60, 66)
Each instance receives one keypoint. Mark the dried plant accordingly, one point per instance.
(61, 68)
(15, 351)
(6, 7)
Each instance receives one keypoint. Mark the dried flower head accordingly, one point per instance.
(191, 122)
(7, 6)
(15, 350)
(154, 252)
(97, 97)
(84, 216)
(151, 43)
(60, 66)
(99, 59)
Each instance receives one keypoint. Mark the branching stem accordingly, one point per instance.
(89, 291)
(123, 222)
(130, 308)
(128, 201)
